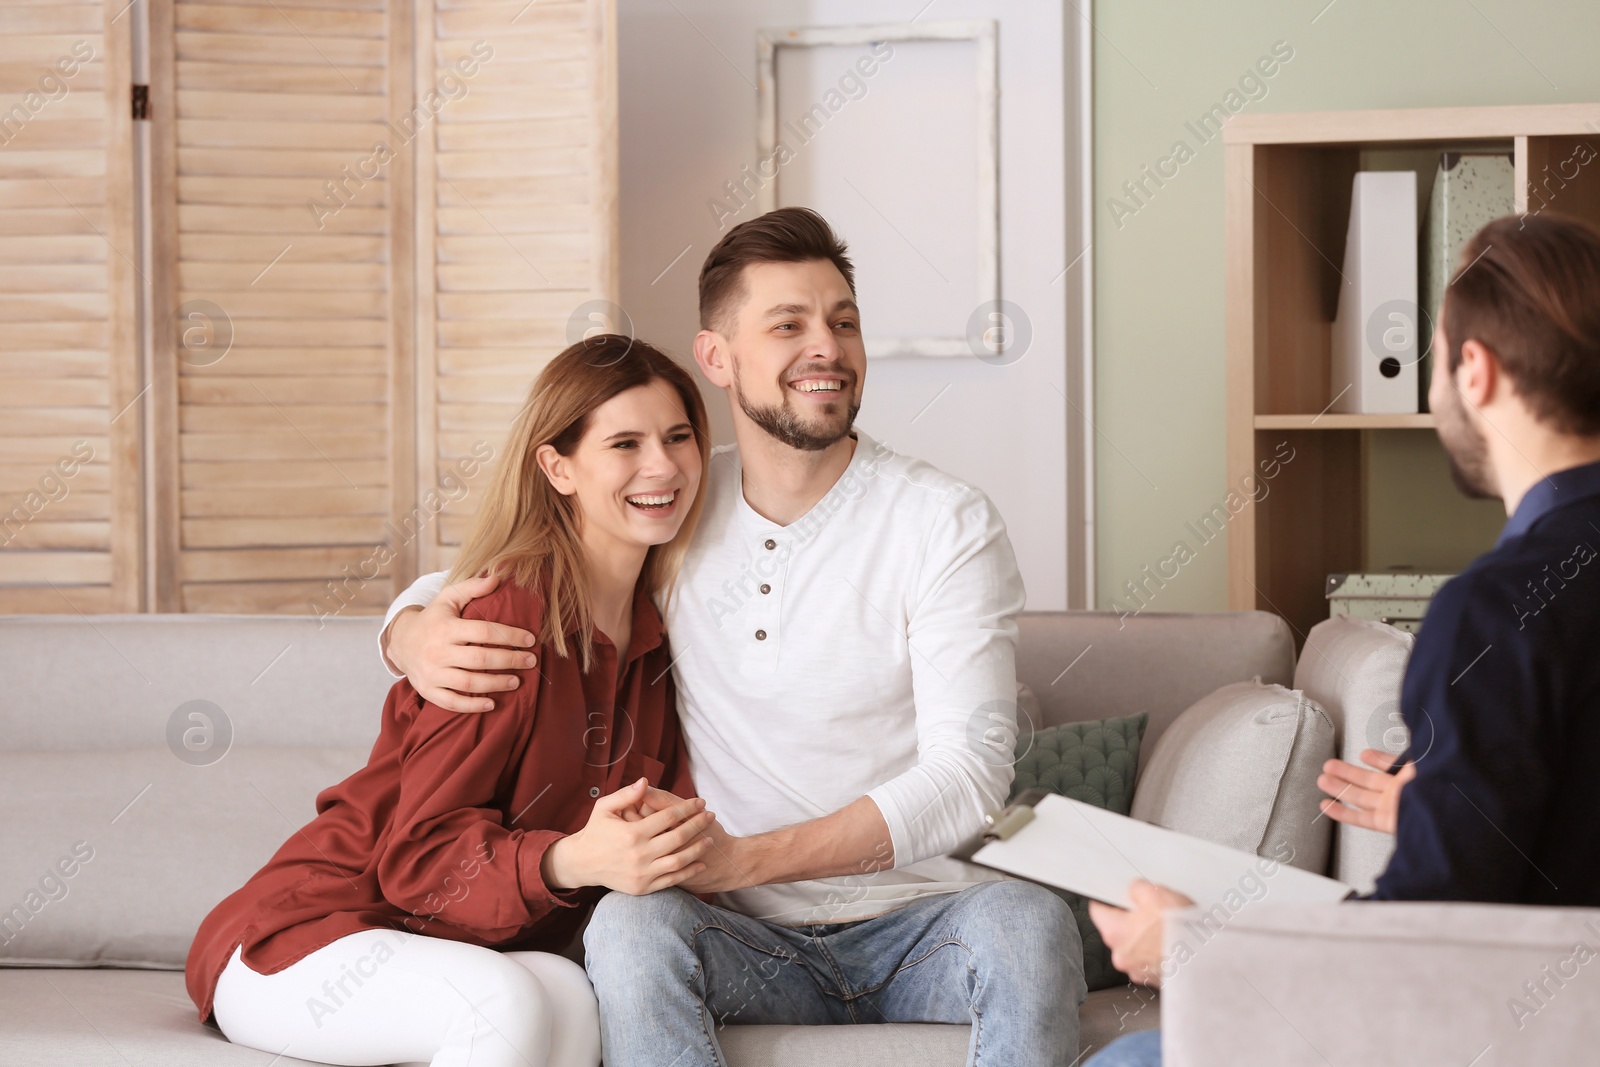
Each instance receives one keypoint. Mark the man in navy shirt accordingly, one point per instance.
(1503, 687)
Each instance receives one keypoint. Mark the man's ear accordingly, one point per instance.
(556, 468)
(711, 353)
(1479, 378)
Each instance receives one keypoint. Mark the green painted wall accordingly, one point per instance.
(1159, 64)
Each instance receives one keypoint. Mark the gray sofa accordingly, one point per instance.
(161, 759)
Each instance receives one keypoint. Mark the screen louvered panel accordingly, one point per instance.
(69, 418)
(281, 206)
(517, 225)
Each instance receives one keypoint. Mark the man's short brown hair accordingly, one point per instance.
(1529, 290)
(787, 235)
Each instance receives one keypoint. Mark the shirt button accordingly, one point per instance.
(771, 544)
(765, 588)
(594, 790)
(761, 635)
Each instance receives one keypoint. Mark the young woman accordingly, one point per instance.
(414, 919)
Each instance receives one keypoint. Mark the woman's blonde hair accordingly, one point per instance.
(526, 529)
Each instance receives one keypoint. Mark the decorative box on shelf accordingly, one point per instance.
(1397, 598)
(1470, 190)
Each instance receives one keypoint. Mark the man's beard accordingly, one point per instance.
(782, 422)
(1467, 450)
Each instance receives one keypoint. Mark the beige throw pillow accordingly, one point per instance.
(1353, 668)
(1240, 767)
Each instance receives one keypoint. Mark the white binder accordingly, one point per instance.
(1375, 333)
(1047, 838)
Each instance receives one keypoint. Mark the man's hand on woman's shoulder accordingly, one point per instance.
(450, 661)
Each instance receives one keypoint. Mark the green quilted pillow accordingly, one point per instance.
(1094, 762)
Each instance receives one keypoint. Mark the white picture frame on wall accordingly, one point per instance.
(982, 249)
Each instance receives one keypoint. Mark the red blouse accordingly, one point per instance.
(443, 831)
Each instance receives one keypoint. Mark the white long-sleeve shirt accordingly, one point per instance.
(866, 649)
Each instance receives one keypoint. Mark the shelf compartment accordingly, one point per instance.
(1363, 490)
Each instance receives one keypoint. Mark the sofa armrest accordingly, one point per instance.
(1382, 983)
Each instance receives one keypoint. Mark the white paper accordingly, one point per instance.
(1096, 853)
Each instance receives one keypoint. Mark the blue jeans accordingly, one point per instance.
(1141, 1049)
(671, 971)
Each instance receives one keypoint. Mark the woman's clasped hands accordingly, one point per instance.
(627, 847)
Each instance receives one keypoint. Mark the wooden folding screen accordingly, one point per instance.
(369, 229)
(69, 360)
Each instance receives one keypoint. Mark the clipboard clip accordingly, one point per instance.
(1007, 821)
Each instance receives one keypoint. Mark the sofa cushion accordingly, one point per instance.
(119, 681)
(1099, 664)
(864, 1045)
(114, 857)
(1094, 762)
(1353, 669)
(1105, 1016)
(111, 1018)
(1240, 768)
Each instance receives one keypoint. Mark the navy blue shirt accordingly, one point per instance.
(1502, 698)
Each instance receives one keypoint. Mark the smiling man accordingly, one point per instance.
(844, 639)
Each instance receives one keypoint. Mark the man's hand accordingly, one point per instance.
(1359, 797)
(723, 860)
(1134, 935)
(446, 657)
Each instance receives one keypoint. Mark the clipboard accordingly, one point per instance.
(1056, 841)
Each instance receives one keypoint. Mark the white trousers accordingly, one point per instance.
(385, 996)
